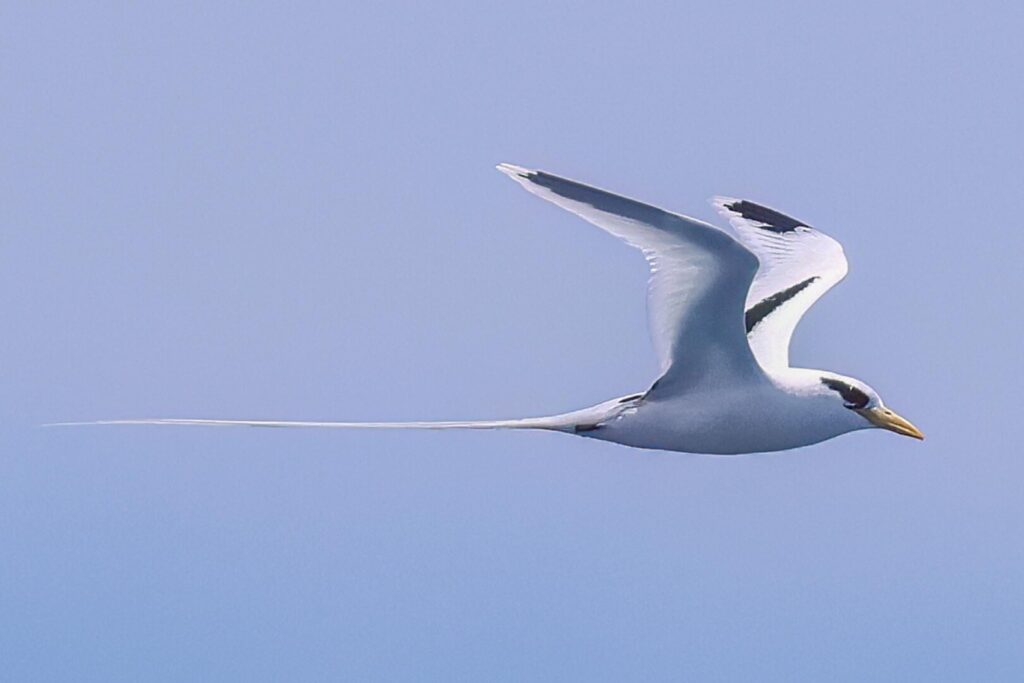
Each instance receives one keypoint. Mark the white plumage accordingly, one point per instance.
(787, 259)
(722, 310)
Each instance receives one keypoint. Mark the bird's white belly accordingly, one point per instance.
(724, 424)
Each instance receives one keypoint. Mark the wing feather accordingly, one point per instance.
(798, 265)
(700, 276)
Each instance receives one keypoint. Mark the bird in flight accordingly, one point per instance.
(722, 308)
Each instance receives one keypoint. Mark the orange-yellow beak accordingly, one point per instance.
(887, 419)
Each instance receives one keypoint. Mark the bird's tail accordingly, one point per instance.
(573, 422)
(553, 423)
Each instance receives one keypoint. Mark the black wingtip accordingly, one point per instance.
(770, 219)
(513, 170)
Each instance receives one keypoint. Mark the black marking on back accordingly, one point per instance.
(762, 309)
(854, 397)
(772, 219)
(634, 397)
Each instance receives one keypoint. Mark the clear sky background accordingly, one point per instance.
(250, 211)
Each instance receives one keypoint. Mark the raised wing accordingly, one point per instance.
(798, 265)
(700, 276)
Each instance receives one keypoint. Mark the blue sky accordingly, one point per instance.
(262, 212)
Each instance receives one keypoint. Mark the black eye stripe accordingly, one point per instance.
(854, 397)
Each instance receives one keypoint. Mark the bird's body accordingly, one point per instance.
(786, 412)
(722, 310)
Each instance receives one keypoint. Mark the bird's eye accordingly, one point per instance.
(853, 397)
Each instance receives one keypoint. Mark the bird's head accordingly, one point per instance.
(863, 403)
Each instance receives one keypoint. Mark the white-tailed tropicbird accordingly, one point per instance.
(722, 309)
